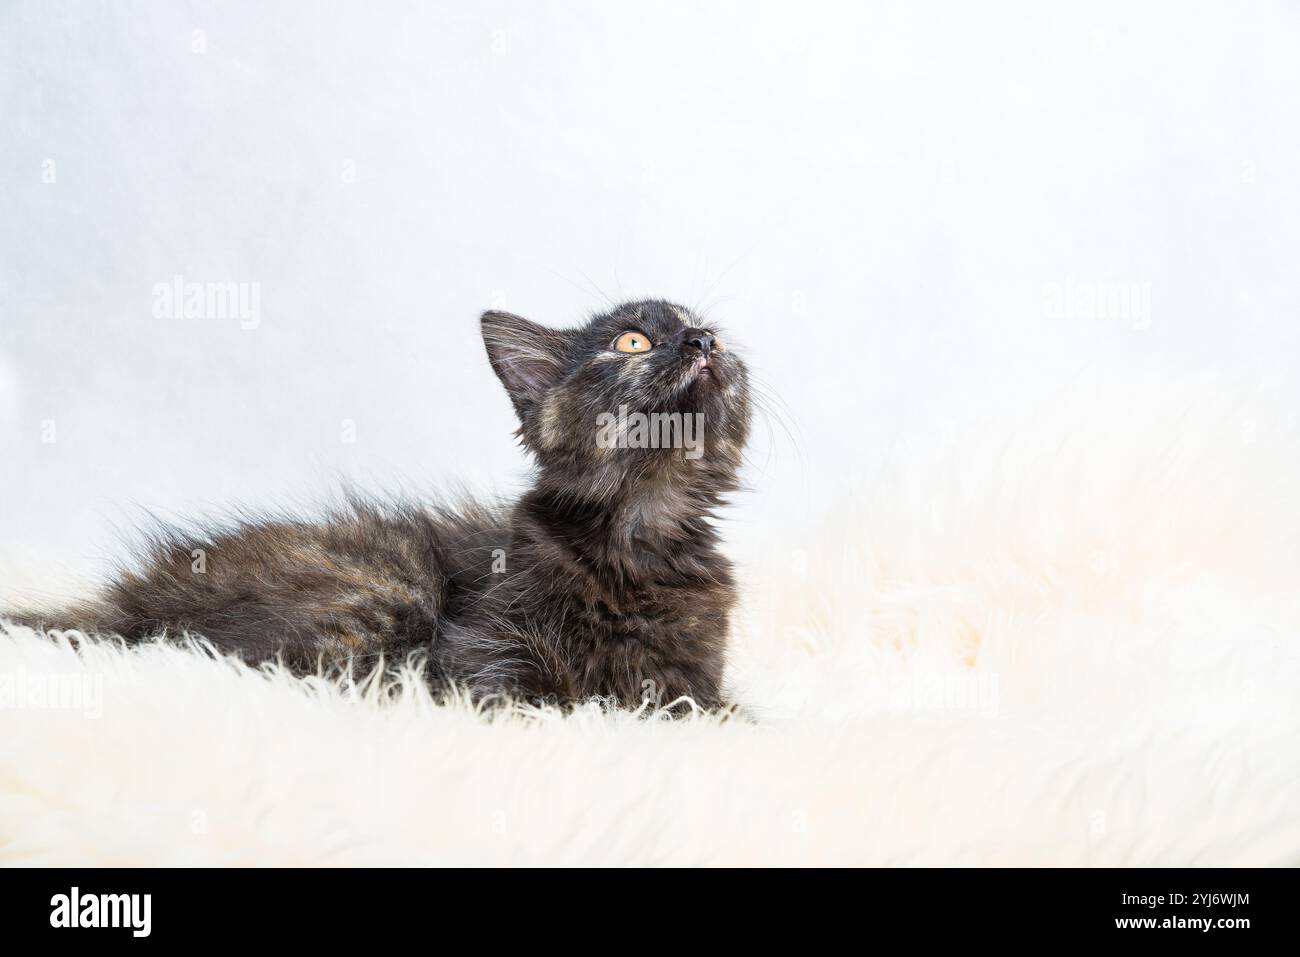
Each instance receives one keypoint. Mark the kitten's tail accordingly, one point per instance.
(88, 617)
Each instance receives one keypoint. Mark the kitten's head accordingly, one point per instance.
(644, 388)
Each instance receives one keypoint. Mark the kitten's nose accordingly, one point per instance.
(700, 340)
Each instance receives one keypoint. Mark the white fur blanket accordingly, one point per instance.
(1071, 640)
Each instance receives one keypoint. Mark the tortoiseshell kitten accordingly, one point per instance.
(604, 579)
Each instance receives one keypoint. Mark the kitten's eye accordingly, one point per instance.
(632, 342)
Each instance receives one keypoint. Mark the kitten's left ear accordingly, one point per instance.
(527, 358)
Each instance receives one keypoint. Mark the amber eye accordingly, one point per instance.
(632, 342)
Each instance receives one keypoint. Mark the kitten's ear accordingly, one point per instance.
(527, 358)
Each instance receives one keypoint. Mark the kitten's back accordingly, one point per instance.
(368, 580)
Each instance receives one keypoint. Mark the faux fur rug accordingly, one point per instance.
(1071, 639)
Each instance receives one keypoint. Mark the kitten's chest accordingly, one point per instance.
(589, 636)
(656, 629)
(657, 651)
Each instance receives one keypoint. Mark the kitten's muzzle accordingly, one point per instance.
(700, 340)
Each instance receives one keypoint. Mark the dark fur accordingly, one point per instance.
(613, 585)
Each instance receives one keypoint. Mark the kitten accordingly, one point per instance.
(603, 580)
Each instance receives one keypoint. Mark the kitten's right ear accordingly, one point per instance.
(527, 358)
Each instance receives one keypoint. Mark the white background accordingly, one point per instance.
(878, 200)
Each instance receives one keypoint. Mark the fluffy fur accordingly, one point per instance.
(1120, 583)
